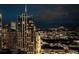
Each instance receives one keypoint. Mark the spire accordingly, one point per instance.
(25, 8)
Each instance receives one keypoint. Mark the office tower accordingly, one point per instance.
(13, 35)
(0, 24)
(13, 25)
(0, 29)
(38, 43)
(5, 40)
(9, 37)
(26, 33)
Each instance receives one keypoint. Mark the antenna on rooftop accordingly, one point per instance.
(25, 8)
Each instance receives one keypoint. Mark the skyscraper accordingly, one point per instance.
(26, 33)
(0, 28)
(5, 38)
(13, 25)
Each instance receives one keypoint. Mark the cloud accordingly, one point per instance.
(52, 13)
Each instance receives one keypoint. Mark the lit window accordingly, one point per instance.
(23, 22)
(19, 23)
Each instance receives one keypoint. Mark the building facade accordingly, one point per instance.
(9, 37)
(5, 35)
(0, 29)
(26, 33)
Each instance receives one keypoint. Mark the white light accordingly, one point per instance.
(23, 22)
(0, 15)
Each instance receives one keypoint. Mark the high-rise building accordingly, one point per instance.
(12, 35)
(38, 43)
(0, 28)
(9, 37)
(5, 40)
(26, 33)
(13, 25)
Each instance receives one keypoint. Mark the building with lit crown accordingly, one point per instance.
(26, 33)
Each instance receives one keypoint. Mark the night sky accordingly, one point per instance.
(10, 12)
(45, 15)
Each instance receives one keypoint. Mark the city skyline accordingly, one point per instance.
(26, 36)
